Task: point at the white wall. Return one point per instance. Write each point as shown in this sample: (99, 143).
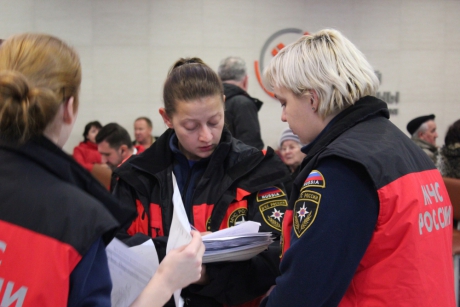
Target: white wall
(127, 47)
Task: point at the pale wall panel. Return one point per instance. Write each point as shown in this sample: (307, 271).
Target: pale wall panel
(422, 24)
(127, 47)
(379, 24)
(176, 24)
(69, 19)
(16, 16)
(118, 22)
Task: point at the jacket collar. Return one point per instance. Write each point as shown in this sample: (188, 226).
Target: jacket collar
(160, 155)
(50, 157)
(232, 90)
(362, 110)
(424, 144)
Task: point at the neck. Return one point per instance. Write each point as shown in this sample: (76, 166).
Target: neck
(293, 167)
(237, 83)
(147, 142)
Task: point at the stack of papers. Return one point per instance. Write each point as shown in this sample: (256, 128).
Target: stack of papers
(238, 243)
(132, 268)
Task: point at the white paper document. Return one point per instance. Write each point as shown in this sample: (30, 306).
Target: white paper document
(237, 243)
(248, 227)
(179, 233)
(130, 272)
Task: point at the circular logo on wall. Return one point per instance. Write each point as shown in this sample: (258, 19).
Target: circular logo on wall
(272, 46)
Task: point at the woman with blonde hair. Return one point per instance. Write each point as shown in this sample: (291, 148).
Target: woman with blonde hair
(368, 222)
(55, 219)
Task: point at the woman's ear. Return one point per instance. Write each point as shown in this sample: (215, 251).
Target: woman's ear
(166, 118)
(69, 112)
(314, 101)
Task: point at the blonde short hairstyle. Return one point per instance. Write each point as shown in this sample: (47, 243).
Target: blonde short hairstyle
(327, 63)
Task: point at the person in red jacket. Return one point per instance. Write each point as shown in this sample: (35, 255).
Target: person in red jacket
(222, 182)
(86, 153)
(55, 220)
(369, 220)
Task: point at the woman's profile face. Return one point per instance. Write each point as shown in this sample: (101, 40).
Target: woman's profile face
(91, 136)
(300, 113)
(198, 125)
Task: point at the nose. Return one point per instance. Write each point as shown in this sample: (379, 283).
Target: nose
(103, 159)
(283, 115)
(205, 135)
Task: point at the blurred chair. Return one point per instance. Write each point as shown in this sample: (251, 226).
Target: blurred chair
(103, 174)
(453, 188)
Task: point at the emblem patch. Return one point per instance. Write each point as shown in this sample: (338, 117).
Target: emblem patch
(273, 212)
(271, 192)
(314, 179)
(305, 211)
(236, 217)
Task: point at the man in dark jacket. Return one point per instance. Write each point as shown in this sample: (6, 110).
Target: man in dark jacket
(240, 108)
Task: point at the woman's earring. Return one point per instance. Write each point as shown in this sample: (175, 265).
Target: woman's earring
(313, 109)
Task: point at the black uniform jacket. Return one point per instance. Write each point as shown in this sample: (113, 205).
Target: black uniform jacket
(51, 213)
(240, 183)
(241, 115)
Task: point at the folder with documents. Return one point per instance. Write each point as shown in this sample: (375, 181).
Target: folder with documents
(238, 243)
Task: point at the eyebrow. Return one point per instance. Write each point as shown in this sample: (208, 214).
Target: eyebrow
(194, 120)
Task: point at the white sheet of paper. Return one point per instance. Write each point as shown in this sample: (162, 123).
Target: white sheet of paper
(129, 271)
(245, 228)
(179, 234)
(148, 251)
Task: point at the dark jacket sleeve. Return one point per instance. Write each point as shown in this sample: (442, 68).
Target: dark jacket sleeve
(244, 121)
(124, 193)
(319, 265)
(90, 283)
(234, 283)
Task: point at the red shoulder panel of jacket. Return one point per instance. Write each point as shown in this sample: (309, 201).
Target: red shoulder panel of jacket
(286, 232)
(156, 221)
(140, 223)
(34, 268)
(240, 194)
(201, 216)
(414, 235)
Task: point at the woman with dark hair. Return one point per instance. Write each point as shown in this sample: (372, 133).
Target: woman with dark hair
(86, 153)
(55, 220)
(222, 181)
(449, 162)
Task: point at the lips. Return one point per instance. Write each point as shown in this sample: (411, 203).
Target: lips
(205, 148)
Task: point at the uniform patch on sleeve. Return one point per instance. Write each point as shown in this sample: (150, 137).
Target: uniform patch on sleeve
(273, 212)
(271, 192)
(314, 179)
(238, 216)
(305, 211)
